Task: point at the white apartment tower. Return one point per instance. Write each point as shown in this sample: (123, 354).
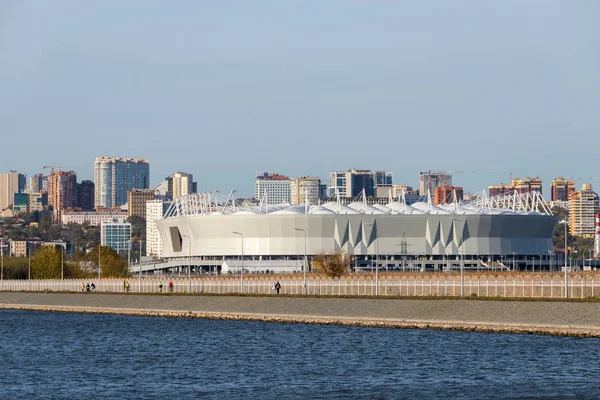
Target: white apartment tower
(155, 209)
(273, 188)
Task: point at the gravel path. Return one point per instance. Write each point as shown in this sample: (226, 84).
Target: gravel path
(552, 318)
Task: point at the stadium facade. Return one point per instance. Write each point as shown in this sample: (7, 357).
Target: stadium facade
(485, 229)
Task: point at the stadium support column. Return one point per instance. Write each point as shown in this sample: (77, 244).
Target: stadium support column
(242, 263)
(304, 291)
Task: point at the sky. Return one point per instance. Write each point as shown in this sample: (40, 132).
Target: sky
(224, 89)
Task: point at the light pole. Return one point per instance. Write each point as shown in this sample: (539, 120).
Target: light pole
(242, 263)
(2, 261)
(189, 263)
(564, 221)
(29, 255)
(462, 259)
(99, 269)
(304, 291)
(374, 225)
(140, 269)
(62, 263)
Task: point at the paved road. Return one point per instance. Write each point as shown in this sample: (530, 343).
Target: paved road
(561, 318)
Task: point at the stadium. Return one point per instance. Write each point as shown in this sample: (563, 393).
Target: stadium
(513, 231)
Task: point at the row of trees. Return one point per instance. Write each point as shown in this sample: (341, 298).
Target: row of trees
(48, 263)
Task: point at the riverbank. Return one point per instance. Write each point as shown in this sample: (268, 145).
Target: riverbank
(540, 317)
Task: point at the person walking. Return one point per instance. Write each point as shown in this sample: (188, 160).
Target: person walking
(170, 287)
(277, 286)
(160, 285)
(87, 287)
(82, 287)
(93, 287)
(127, 286)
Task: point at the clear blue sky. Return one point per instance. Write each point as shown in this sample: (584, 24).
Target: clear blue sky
(223, 89)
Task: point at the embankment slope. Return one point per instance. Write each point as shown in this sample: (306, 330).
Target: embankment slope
(539, 317)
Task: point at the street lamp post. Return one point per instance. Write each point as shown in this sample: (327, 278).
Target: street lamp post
(189, 263)
(2, 261)
(304, 290)
(99, 268)
(242, 263)
(564, 221)
(374, 225)
(29, 255)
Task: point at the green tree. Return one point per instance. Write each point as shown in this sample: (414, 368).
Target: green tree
(16, 267)
(111, 263)
(46, 263)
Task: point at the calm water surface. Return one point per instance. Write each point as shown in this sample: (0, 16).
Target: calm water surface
(56, 356)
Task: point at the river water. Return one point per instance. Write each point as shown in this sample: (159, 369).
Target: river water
(70, 356)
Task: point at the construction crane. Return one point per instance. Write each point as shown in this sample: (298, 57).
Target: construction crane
(52, 166)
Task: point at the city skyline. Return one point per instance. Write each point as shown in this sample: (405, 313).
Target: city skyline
(312, 89)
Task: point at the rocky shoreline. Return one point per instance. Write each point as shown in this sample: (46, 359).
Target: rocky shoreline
(551, 318)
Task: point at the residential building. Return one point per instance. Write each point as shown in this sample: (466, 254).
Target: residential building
(62, 193)
(429, 180)
(393, 190)
(155, 209)
(520, 186)
(114, 177)
(20, 202)
(305, 188)
(85, 195)
(136, 203)
(94, 218)
(22, 248)
(37, 201)
(272, 187)
(29, 202)
(353, 182)
(180, 184)
(561, 189)
(116, 234)
(583, 206)
(497, 190)
(447, 194)
(36, 183)
(527, 185)
(10, 183)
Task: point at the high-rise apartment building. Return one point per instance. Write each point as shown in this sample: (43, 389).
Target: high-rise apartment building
(305, 188)
(527, 185)
(114, 177)
(561, 189)
(429, 180)
(116, 234)
(273, 188)
(521, 186)
(446, 194)
(352, 182)
(180, 184)
(136, 203)
(62, 191)
(85, 195)
(36, 183)
(155, 209)
(10, 183)
(583, 206)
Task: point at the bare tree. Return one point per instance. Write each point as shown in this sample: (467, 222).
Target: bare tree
(334, 264)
